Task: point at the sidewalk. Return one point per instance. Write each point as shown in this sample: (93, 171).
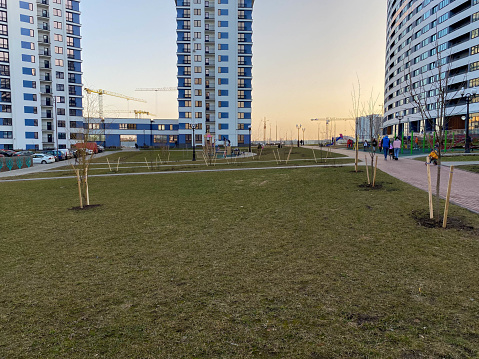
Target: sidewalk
(465, 185)
(46, 167)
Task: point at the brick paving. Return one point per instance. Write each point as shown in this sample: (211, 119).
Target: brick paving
(465, 185)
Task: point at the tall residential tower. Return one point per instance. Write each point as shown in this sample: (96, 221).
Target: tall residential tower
(429, 42)
(215, 44)
(40, 74)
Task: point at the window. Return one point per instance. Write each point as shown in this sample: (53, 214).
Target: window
(4, 56)
(197, 35)
(58, 37)
(197, 23)
(198, 81)
(127, 126)
(58, 50)
(198, 58)
(60, 75)
(197, 12)
(57, 25)
(60, 87)
(5, 83)
(57, 12)
(59, 62)
(198, 69)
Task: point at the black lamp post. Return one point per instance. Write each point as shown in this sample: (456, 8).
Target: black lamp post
(468, 97)
(104, 132)
(193, 127)
(249, 129)
(298, 127)
(151, 133)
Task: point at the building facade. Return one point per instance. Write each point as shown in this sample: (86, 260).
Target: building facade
(431, 43)
(214, 49)
(40, 74)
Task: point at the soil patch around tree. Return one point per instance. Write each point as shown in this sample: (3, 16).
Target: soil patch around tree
(457, 223)
(85, 208)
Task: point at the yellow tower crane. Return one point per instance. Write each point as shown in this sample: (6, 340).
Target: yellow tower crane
(138, 113)
(109, 93)
(156, 90)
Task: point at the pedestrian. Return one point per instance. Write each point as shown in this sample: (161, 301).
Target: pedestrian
(385, 144)
(365, 145)
(381, 145)
(416, 143)
(396, 146)
(374, 144)
(391, 150)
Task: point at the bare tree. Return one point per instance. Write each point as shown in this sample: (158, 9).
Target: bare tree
(434, 98)
(373, 126)
(356, 102)
(84, 155)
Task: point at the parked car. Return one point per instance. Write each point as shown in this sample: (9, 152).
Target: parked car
(8, 153)
(43, 158)
(66, 153)
(25, 153)
(101, 148)
(58, 155)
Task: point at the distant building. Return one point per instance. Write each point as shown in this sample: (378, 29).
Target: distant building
(215, 52)
(417, 30)
(368, 127)
(40, 74)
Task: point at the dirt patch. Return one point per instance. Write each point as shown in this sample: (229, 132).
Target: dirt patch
(369, 187)
(456, 223)
(85, 208)
(359, 171)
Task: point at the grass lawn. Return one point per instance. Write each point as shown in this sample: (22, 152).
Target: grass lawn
(470, 168)
(144, 161)
(457, 158)
(274, 264)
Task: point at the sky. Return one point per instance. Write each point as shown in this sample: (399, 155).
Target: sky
(308, 55)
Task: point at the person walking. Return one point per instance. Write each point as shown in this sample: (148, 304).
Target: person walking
(397, 146)
(374, 143)
(385, 142)
(365, 145)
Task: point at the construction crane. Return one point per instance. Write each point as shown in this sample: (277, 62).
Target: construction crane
(138, 113)
(156, 90)
(109, 93)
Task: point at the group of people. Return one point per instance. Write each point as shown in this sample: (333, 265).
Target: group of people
(390, 147)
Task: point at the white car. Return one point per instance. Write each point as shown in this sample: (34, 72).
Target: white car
(42, 158)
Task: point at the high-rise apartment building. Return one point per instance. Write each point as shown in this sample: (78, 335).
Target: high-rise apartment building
(428, 42)
(40, 74)
(214, 40)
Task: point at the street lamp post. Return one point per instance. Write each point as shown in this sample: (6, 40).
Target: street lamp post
(151, 132)
(304, 129)
(193, 127)
(249, 129)
(298, 127)
(104, 132)
(468, 97)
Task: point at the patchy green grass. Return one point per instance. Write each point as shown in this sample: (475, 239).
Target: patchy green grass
(453, 158)
(149, 160)
(470, 168)
(272, 264)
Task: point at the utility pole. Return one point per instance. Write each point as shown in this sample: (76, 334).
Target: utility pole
(264, 131)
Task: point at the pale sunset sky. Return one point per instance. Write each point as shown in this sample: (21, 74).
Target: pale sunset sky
(307, 56)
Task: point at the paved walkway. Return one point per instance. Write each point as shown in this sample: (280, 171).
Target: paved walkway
(465, 185)
(37, 168)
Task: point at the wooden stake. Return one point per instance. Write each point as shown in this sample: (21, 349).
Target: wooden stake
(431, 208)
(367, 169)
(108, 164)
(448, 197)
(314, 154)
(86, 187)
(79, 187)
(275, 158)
(375, 171)
(289, 154)
(147, 165)
(118, 164)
